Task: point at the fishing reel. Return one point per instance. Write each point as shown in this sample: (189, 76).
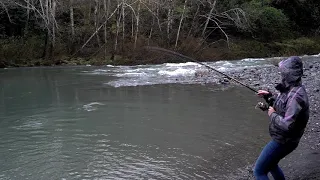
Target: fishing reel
(269, 102)
(262, 106)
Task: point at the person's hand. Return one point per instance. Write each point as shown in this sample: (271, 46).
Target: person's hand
(271, 110)
(263, 93)
(267, 96)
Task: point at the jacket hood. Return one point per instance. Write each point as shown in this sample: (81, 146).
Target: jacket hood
(291, 70)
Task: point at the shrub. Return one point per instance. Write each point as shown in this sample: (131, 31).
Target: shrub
(268, 22)
(300, 46)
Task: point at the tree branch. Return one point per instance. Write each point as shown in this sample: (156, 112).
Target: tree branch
(97, 30)
(6, 9)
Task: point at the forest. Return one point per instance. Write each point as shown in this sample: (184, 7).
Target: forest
(99, 32)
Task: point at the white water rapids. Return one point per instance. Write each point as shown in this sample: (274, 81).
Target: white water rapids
(167, 73)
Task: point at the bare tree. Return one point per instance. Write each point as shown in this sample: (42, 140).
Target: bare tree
(96, 19)
(169, 19)
(209, 15)
(72, 25)
(27, 20)
(106, 13)
(151, 29)
(108, 22)
(98, 29)
(53, 24)
(157, 15)
(137, 24)
(193, 23)
(123, 22)
(181, 19)
(117, 33)
(4, 6)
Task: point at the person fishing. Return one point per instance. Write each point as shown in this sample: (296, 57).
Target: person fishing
(289, 114)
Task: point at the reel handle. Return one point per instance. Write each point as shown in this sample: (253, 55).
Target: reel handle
(262, 106)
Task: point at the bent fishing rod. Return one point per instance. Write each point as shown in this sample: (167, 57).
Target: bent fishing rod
(198, 62)
(268, 98)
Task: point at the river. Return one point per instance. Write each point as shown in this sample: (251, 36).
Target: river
(141, 122)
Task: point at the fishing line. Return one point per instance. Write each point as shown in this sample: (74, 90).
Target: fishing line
(150, 48)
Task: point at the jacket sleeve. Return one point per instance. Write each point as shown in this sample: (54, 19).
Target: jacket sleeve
(293, 108)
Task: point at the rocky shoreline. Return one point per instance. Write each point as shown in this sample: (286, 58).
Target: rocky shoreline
(304, 162)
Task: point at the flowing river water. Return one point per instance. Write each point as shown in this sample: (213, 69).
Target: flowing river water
(141, 122)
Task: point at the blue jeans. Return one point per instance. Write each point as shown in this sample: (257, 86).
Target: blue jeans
(269, 158)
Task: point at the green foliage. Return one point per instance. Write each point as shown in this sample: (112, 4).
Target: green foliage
(226, 5)
(299, 46)
(273, 23)
(179, 10)
(254, 48)
(249, 48)
(305, 15)
(17, 49)
(268, 22)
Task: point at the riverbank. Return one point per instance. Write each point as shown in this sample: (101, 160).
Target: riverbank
(26, 53)
(303, 163)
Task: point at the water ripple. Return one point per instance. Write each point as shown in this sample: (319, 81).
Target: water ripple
(92, 106)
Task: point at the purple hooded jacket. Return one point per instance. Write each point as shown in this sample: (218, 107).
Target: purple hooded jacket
(292, 105)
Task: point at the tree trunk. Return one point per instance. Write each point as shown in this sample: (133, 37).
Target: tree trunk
(212, 5)
(26, 29)
(117, 32)
(94, 34)
(193, 21)
(108, 7)
(53, 24)
(123, 23)
(96, 19)
(115, 47)
(47, 10)
(45, 49)
(158, 18)
(132, 25)
(181, 19)
(137, 24)
(151, 30)
(72, 27)
(105, 7)
(169, 19)
(88, 19)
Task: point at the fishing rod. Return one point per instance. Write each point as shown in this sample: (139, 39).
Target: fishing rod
(268, 97)
(198, 62)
